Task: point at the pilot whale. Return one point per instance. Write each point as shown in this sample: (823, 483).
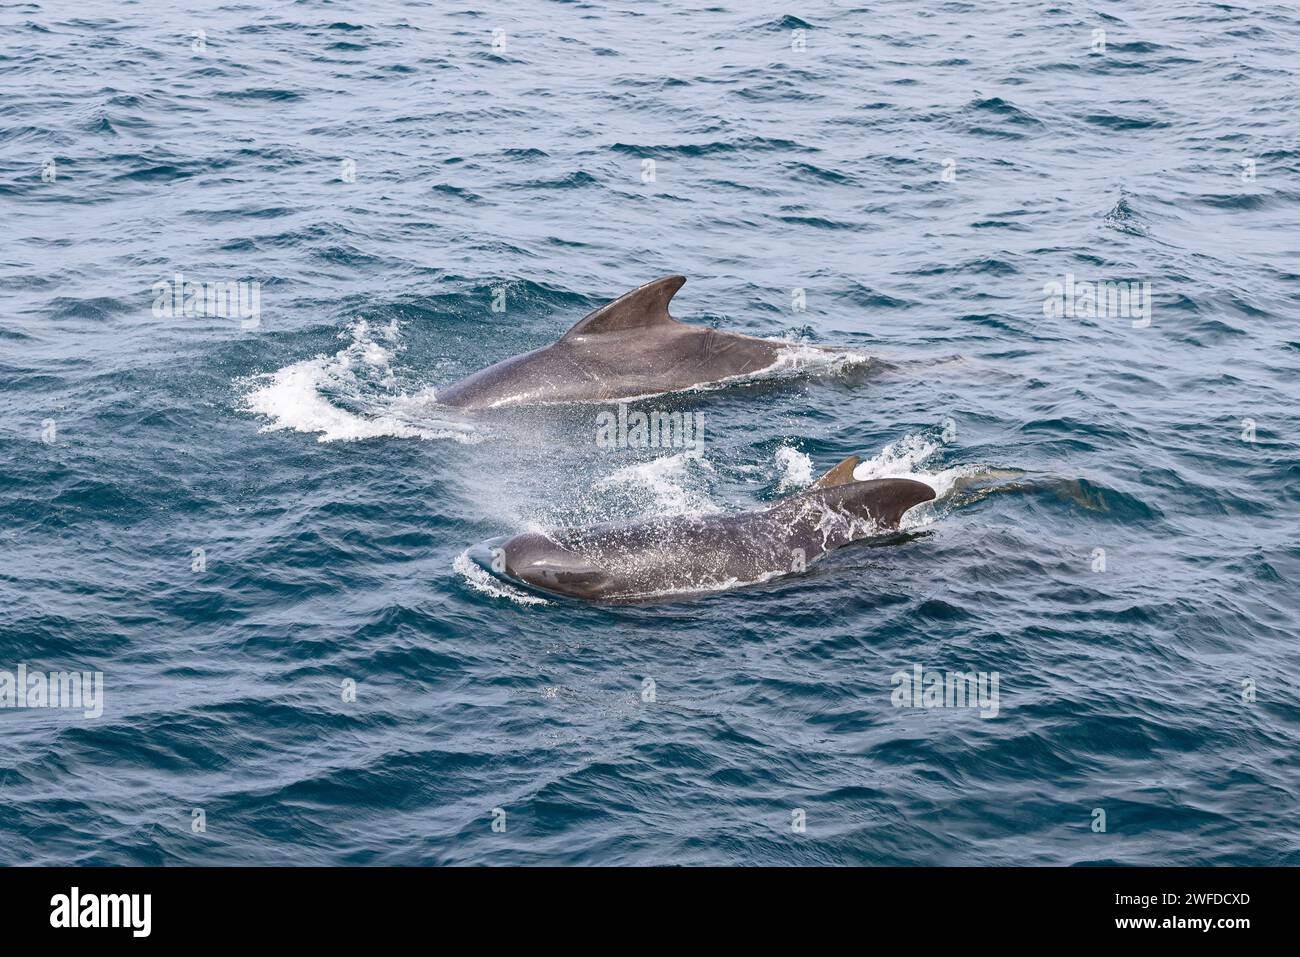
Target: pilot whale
(661, 558)
(627, 348)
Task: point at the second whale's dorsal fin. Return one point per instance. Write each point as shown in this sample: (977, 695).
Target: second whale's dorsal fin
(644, 306)
(842, 474)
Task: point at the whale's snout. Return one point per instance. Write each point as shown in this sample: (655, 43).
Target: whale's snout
(538, 561)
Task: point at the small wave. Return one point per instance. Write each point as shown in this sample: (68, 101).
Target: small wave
(1008, 120)
(574, 180)
(1113, 121)
(787, 22)
(260, 94)
(745, 144)
(1123, 218)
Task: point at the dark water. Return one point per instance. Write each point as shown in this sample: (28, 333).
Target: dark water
(341, 514)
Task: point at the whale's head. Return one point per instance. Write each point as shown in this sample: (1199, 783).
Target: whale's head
(543, 563)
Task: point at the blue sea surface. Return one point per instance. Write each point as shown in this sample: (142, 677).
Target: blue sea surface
(271, 540)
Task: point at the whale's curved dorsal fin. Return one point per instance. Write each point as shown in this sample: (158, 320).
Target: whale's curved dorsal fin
(842, 474)
(644, 306)
(885, 500)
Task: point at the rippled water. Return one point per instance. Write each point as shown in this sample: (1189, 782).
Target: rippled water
(922, 171)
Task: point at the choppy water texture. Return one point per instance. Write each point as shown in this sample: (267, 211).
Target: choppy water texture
(342, 514)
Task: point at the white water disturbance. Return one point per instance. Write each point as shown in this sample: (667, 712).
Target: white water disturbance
(350, 395)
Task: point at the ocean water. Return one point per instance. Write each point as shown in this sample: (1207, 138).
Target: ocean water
(269, 539)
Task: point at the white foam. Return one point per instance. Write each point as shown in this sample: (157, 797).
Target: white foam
(311, 395)
(800, 358)
(796, 468)
(795, 359)
(479, 579)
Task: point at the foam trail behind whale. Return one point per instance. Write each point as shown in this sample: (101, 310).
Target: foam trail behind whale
(350, 395)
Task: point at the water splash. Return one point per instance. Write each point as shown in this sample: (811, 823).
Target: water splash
(482, 581)
(672, 483)
(351, 395)
(796, 469)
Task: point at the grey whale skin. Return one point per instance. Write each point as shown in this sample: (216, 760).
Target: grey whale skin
(663, 558)
(627, 348)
